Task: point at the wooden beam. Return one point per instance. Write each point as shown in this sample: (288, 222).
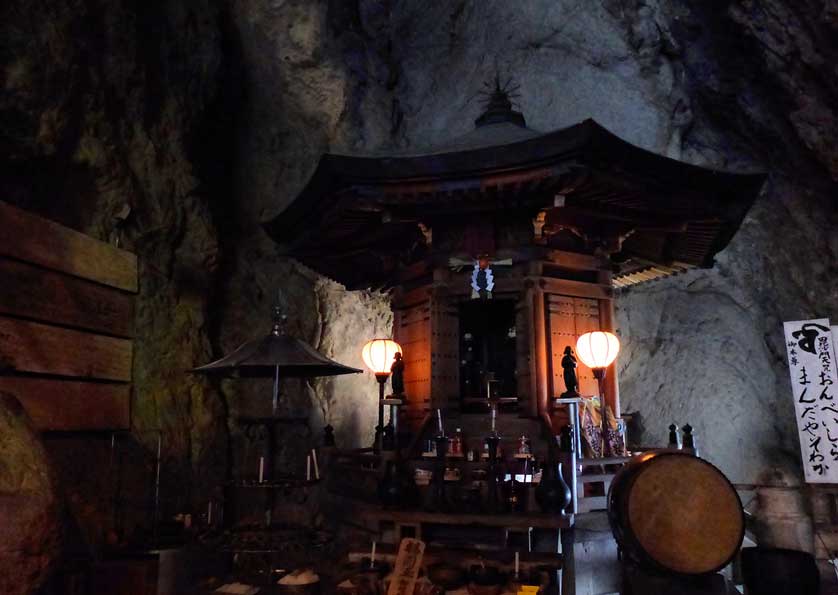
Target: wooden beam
(43, 349)
(412, 272)
(632, 279)
(52, 297)
(34, 239)
(577, 261)
(612, 381)
(65, 405)
(578, 288)
(411, 298)
(646, 275)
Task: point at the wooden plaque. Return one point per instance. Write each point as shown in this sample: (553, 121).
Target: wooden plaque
(66, 405)
(59, 248)
(66, 323)
(56, 298)
(408, 563)
(43, 349)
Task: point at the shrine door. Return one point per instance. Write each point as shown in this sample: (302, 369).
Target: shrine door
(568, 318)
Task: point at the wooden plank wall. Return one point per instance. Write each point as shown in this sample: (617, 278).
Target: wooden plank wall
(66, 324)
(412, 330)
(445, 351)
(568, 318)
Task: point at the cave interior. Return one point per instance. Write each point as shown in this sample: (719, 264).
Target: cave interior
(418, 297)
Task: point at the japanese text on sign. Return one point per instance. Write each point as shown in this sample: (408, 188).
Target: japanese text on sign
(814, 382)
(408, 562)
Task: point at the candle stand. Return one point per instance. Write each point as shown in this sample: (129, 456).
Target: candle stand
(440, 501)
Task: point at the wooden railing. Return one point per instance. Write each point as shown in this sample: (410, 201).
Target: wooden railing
(576, 464)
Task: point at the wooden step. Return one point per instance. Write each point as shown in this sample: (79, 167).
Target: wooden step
(535, 520)
(464, 558)
(604, 461)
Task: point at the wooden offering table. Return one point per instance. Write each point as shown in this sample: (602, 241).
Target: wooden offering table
(436, 527)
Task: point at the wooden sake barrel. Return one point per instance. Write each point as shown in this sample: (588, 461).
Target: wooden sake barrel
(676, 513)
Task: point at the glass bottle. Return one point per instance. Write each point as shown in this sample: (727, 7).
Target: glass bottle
(457, 443)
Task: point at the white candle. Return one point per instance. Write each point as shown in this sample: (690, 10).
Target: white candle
(516, 563)
(372, 555)
(439, 420)
(261, 469)
(308, 467)
(494, 414)
(316, 469)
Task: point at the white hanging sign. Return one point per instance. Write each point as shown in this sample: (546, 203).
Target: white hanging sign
(814, 382)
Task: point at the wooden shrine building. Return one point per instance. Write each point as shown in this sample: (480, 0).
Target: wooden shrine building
(546, 225)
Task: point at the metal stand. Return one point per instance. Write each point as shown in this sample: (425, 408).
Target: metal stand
(599, 374)
(393, 425)
(441, 503)
(492, 500)
(378, 446)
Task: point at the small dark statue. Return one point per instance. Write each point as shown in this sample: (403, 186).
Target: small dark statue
(329, 435)
(397, 374)
(571, 382)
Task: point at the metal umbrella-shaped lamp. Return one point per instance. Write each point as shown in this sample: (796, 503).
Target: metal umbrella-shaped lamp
(275, 355)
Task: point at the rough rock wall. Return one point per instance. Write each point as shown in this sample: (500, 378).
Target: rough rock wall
(710, 349)
(314, 81)
(205, 117)
(105, 117)
(572, 60)
(174, 128)
(750, 87)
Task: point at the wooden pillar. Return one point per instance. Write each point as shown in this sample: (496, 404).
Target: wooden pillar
(612, 384)
(540, 402)
(524, 366)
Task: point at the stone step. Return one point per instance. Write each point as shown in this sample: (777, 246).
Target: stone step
(592, 503)
(592, 526)
(596, 567)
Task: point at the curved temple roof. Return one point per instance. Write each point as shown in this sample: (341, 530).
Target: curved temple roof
(357, 219)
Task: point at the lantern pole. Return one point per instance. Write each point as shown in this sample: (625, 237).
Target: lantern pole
(277, 330)
(376, 355)
(379, 429)
(599, 374)
(276, 390)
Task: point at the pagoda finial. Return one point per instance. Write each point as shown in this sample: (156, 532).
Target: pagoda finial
(498, 103)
